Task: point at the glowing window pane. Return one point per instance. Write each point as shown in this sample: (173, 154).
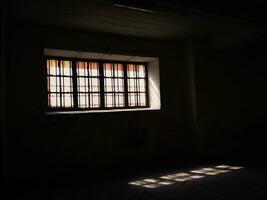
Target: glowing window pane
(108, 70)
(82, 69)
(54, 100)
(65, 68)
(94, 100)
(67, 100)
(108, 82)
(93, 69)
(52, 67)
(141, 71)
(118, 69)
(131, 70)
(82, 84)
(94, 84)
(53, 84)
(119, 100)
(119, 85)
(67, 84)
(142, 85)
(83, 100)
(132, 85)
(132, 99)
(142, 99)
(109, 100)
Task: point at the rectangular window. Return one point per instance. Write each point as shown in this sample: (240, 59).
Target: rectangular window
(79, 84)
(88, 84)
(114, 85)
(136, 77)
(59, 84)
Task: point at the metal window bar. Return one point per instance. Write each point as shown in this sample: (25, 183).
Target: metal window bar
(89, 84)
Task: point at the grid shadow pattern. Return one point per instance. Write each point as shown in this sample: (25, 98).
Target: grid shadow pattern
(174, 178)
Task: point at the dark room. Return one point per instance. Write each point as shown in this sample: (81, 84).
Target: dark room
(133, 99)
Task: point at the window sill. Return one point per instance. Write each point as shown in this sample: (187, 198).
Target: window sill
(98, 111)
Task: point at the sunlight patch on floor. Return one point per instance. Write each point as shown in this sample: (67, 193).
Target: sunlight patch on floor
(170, 179)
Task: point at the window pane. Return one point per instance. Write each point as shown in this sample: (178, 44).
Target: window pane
(60, 100)
(119, 99)
(67, 100)
(131, 71)
(118, 69)
(83, 100)
(108, 82)
(82, 84)
(53, 100)
(132, 85)
(119, 85)
(108, 70)
(87, 68)
(109, 100)
(132, 99)
(52, 67)
(82, 68)
(141, 71)
(67, 84)
(114, 100)
(93, 69)
(142, 99)
(94, 84)
(142, 85)
(59, 84)
(65, 68)
(95, 100)
(53, 84)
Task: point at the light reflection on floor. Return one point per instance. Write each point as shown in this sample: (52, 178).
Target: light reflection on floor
(170, 179)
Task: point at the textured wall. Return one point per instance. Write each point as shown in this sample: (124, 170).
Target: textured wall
(46, 144)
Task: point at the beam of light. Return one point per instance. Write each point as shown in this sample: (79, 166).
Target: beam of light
(174, 178)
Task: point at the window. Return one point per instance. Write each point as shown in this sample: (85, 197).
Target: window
(83, 84)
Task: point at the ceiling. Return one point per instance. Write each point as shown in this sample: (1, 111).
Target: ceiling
(169, 20)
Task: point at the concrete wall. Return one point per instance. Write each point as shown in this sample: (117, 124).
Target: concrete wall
(231, 99)
(45, 145)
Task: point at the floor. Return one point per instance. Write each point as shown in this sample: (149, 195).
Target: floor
(243, 183)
